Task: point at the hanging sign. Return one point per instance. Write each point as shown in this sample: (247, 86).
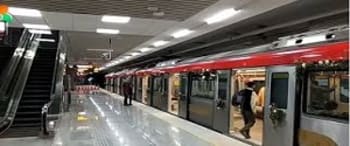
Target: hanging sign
(5, 16)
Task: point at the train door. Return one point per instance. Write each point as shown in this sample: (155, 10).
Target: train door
(134, 87)
(117, 85)
(222, 102)
(139, 89)
(149, 90)
(279, 117)
(184, 90)
(121, 81)
(173, 94)
(160, 92)
(165, 92)
(201, 100)
(145, 89)
(112, 84)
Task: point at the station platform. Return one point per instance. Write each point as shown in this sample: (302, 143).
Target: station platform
(100, 119)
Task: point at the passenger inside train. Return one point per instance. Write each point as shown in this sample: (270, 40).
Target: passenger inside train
(239, 80)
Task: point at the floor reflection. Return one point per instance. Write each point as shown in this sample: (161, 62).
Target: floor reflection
(99, 120)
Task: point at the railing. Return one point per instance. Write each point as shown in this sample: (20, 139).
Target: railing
(15, 79)
(50, 113)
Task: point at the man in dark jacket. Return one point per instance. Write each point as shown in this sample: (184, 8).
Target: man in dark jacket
(248, 108)
(127, 91)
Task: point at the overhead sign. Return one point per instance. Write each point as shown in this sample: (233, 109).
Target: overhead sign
(5, 16)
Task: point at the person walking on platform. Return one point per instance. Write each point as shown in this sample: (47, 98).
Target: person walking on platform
(127, 91)
(248, 108)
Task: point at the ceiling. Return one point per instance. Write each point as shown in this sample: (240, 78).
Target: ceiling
(91, 49)
(80, 18)
(178, 10)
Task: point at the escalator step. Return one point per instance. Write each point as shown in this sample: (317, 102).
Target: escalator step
(26, 125)
(27, 120)
(35, 96)
(32, 108)
(30, 101)
(27, 113)
(26, 131)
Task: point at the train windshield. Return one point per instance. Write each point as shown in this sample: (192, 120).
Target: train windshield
(328, 94)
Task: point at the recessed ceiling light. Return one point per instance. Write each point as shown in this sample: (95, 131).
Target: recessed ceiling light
(221, 16)
(24, 12)
(160, 43)
(38, 31)
(45, 40)
(107, 31)
(115, 19)
(135, 53)
(182, 33)
(36, 26)
(158, 14)
(146, 49)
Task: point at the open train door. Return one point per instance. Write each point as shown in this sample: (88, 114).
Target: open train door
(183, 101)
(279, 114)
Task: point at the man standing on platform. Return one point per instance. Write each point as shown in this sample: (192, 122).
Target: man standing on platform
(127, 91)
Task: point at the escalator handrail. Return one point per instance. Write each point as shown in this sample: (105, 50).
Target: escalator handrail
(57, 84)
(12, 65)
(19, 81)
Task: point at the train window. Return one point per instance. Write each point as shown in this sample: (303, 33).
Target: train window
(328, 94)
(157, 84)
(344, 90)
(203, 86)
(279, 89)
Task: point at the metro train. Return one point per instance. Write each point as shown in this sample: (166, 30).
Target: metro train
(302, 83)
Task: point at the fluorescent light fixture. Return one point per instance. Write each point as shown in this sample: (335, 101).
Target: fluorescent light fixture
(182, 33)
(314, 39)
(221, 16)
(84, 66)
(38, 31)
(100, 50)
(24, 12)
(146, 49)
(311, 55)
(127, 57)
(107, 31)
(45, 40)
(135, 53)
(160, 43)
(115, 19)
(36, 26)
(292, 52)
(2, 27)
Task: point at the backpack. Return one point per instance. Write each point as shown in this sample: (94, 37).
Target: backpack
(237, 98)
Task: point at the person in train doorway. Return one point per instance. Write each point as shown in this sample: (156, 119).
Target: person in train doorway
(248, 108)
(127, 91)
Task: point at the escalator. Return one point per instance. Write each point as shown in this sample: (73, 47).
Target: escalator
(36, 93)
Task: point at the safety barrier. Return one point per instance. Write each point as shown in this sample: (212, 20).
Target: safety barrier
(87, 89)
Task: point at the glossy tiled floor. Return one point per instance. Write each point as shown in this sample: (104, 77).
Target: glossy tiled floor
(102, 120)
